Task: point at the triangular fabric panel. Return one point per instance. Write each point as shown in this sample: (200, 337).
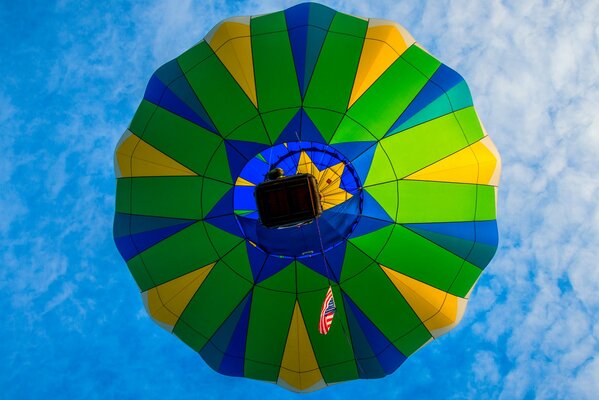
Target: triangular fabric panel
(272, 265)
(292, 131)
(383, 44)
(299, 368)
(231, 42)
(166, 302)
(474, 164)
(225, 351)
(475, 241)
(170, 89)
(135, 158)
(438, 310)
(388, 356)
(133, 245)
(334, 262)
(307, 24)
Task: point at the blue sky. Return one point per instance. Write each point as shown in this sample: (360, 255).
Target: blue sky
(73, 324)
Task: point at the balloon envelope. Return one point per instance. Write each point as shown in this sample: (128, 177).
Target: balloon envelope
(406, 174)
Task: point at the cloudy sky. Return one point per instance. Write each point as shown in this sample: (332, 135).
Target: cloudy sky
(73, 324)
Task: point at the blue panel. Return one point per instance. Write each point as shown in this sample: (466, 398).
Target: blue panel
(371, 208)
(291, 131)
(233, 360)
(227, 223)
(387, 354)
(257, 258)
(363, 162)
(352, 150)
(309, 132)
(215, 348)
(446, 77)
(184, 92)
(223, 207)
(429, 93)
(172, 103)
(272, 265)
(145, 240)
(126, 247)
(154, 90)
(486, 232)
(367, 363)
(235, 159)
(306, 41)
(244, 198)
(368, 225)
(168, 72)
(334, 260)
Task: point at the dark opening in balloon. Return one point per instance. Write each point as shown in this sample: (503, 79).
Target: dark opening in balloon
(288, 201)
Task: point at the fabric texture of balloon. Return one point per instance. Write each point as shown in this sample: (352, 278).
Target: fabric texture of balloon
(406, 173)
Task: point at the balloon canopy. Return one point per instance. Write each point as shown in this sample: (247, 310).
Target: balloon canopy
(405, 173)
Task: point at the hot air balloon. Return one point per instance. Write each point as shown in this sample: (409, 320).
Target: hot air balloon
(306, 197)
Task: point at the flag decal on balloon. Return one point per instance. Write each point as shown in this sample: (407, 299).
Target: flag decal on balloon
(327, 313)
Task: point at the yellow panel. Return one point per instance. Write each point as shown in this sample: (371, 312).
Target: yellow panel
(329, 181)
(242, 182)
(231, 42)
(382, 46)
(476, 163)
(435, 308)
(166, 302)
(299, 368)
(146, 160)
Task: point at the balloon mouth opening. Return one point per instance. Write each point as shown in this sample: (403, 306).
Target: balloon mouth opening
(287, 201)
(313, 209)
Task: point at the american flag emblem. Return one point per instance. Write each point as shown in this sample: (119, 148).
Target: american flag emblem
(327, 313)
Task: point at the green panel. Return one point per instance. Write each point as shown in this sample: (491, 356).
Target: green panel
(381, 170)
(388, 310)
(237, 260)
(226, 103)
(123, 195)
(212, 192)
(251, 131)
(325, 120)
(308, 280)
(423, 145)
(386, 195)
(142, 116)
(274, 71)
(182, 140)
(276, 121)
(166, 196)
(218, 168)
(421, 60)
(380, 106)
(485, 203)
(140, 274)
(465, 280)
(355, 261)
(217, 297)
(270, 318)
(372, 243)
(190, 336)
(194, 56)
(421, 259)
(470, 124)
(333, 77)
(268, 23)
(413, 340)
(349, 25)
(282, 281)
(350, 131)
(177, 255)
(222, 241)
(439, 107)
(334, 348)
(422, 201)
